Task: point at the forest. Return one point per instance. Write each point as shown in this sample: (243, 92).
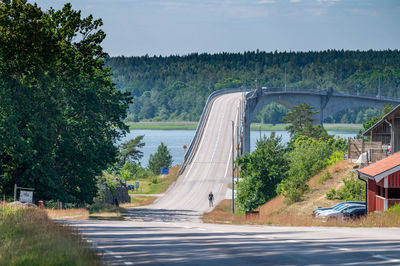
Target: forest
(175, 88)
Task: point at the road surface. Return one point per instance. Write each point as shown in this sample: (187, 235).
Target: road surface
(211, 167)
(167, 237)
(170, 232)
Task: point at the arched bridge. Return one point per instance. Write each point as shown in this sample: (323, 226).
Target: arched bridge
(326, 102)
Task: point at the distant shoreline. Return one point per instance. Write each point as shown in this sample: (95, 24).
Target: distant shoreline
(190, 125)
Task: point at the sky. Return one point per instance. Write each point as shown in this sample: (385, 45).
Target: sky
(180, 27)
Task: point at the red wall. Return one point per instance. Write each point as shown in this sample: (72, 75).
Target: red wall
(394, 180)
(371, 195)
(379, 204)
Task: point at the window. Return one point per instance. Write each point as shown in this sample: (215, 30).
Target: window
(393, 193)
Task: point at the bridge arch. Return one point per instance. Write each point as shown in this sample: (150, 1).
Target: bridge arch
(326, 103)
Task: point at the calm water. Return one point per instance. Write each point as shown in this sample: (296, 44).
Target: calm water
(175, 139)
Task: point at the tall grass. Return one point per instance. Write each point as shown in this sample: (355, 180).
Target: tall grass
(222, 214)
(29, 237)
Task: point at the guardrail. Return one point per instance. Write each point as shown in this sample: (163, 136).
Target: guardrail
(188, 157)
(335, 92)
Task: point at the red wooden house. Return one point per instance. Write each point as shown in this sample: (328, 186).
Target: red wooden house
(383, 182)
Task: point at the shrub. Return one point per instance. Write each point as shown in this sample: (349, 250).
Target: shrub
(155, 181)
(352, 190)
(324, 177)
(308, 157)
(331, 194)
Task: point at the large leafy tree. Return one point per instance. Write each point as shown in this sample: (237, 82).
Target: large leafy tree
(261, 172)
(162, 158)
(59, 111)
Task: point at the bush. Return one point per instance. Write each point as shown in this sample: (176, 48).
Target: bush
(331, 194)
(308, 157)
(353, 190)
(324, 177)
(155, 181)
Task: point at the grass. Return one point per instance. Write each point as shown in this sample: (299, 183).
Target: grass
(164, 125)
(222, 214)
(147, 186)
(254, 126)
(29, 237)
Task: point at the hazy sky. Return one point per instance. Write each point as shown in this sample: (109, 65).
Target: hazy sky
(157, 27)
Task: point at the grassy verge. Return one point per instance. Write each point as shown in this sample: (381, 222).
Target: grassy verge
(29, 237)
(94, 211)
(222, 214)
(164, 125)
(157, 184)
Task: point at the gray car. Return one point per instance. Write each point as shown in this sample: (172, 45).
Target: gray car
(338, 211)
(319, 209)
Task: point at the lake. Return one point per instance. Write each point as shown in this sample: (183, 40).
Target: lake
(175, 139)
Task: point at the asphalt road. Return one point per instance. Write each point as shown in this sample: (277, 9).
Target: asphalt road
(167, 237)
(211, 167)
(170, 232)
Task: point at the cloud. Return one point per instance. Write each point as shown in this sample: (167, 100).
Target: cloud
(295, 1)
(328, 2)
(263, 2)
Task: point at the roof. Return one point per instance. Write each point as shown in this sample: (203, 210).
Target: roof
(366, 133)
(382, 168)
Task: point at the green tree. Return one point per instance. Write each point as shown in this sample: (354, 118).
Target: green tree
(59, 111)
(162, 158)
(299, 118)
(307, 158)
(261, 171)
(130, 149)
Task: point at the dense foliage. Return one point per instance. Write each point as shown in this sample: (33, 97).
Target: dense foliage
(261, 172)
(176, 87)
(60, 113)
(308, 157)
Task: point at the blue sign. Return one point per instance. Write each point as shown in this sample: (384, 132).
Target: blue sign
(164, 171)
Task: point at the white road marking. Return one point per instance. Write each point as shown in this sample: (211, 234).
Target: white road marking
(128, 263)
(386, 258)
(118, 257)
(339, 248)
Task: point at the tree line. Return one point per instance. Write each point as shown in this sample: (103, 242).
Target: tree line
(176, 87)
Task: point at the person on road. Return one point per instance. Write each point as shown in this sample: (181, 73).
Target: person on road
(211, 199)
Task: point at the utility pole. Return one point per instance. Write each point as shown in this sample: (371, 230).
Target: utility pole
(285, 77)
(233, 167)
(15, 192)
(379, 86)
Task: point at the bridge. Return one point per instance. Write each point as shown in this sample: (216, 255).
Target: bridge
(326, 102)
(223, 134)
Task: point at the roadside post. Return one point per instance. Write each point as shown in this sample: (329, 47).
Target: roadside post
(233, 167)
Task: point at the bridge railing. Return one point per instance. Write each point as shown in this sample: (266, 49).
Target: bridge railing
(336, 92)
(188, 157)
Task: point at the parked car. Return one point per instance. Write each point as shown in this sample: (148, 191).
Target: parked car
(338, 211)
(355, 213)
(319, 209)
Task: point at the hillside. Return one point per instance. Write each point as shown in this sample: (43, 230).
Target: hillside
(175, 88)
(316, 197)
